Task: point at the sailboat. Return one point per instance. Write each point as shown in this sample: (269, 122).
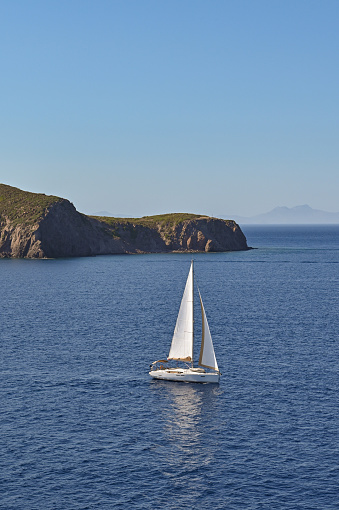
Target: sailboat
(182, 345)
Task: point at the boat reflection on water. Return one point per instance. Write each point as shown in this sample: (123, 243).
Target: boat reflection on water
(188, 417)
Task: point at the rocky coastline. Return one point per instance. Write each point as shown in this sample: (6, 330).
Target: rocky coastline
(38, 226)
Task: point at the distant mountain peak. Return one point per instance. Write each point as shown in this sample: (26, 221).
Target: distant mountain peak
(304, 207)
(300, 214)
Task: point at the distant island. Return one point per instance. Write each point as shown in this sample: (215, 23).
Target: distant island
(299, 215)
(35, 225)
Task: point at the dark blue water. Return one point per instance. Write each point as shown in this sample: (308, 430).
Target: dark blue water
(84, 427)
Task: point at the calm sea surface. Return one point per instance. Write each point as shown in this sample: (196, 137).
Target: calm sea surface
(83, 426)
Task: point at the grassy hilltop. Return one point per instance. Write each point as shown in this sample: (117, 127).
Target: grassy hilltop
(163, 220)
(22, 207)
(26, 207)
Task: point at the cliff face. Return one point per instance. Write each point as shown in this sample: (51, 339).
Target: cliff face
(198, 234)
(56, 229)
(208, 234)
(60, 232)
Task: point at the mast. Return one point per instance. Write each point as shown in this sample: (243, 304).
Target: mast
(192, 314)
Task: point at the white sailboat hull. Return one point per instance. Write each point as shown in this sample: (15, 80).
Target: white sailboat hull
(185, 375)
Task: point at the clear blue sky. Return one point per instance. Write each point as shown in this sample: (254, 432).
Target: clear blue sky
(150, 106)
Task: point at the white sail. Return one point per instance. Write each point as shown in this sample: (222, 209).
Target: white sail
(182, 341)
(207, 356)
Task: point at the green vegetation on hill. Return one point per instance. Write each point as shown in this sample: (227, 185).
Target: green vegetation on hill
(163, 220)
(22, 206)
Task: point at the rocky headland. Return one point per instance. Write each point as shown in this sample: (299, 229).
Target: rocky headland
(34, 225)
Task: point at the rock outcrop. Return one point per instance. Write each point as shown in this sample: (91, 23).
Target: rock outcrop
(37, 226)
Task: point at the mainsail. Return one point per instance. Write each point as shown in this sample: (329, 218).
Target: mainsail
(182, 341)
(207, 356)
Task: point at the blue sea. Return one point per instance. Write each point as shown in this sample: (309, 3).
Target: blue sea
(83, 426)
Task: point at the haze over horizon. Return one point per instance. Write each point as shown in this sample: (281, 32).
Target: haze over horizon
(148, 107)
